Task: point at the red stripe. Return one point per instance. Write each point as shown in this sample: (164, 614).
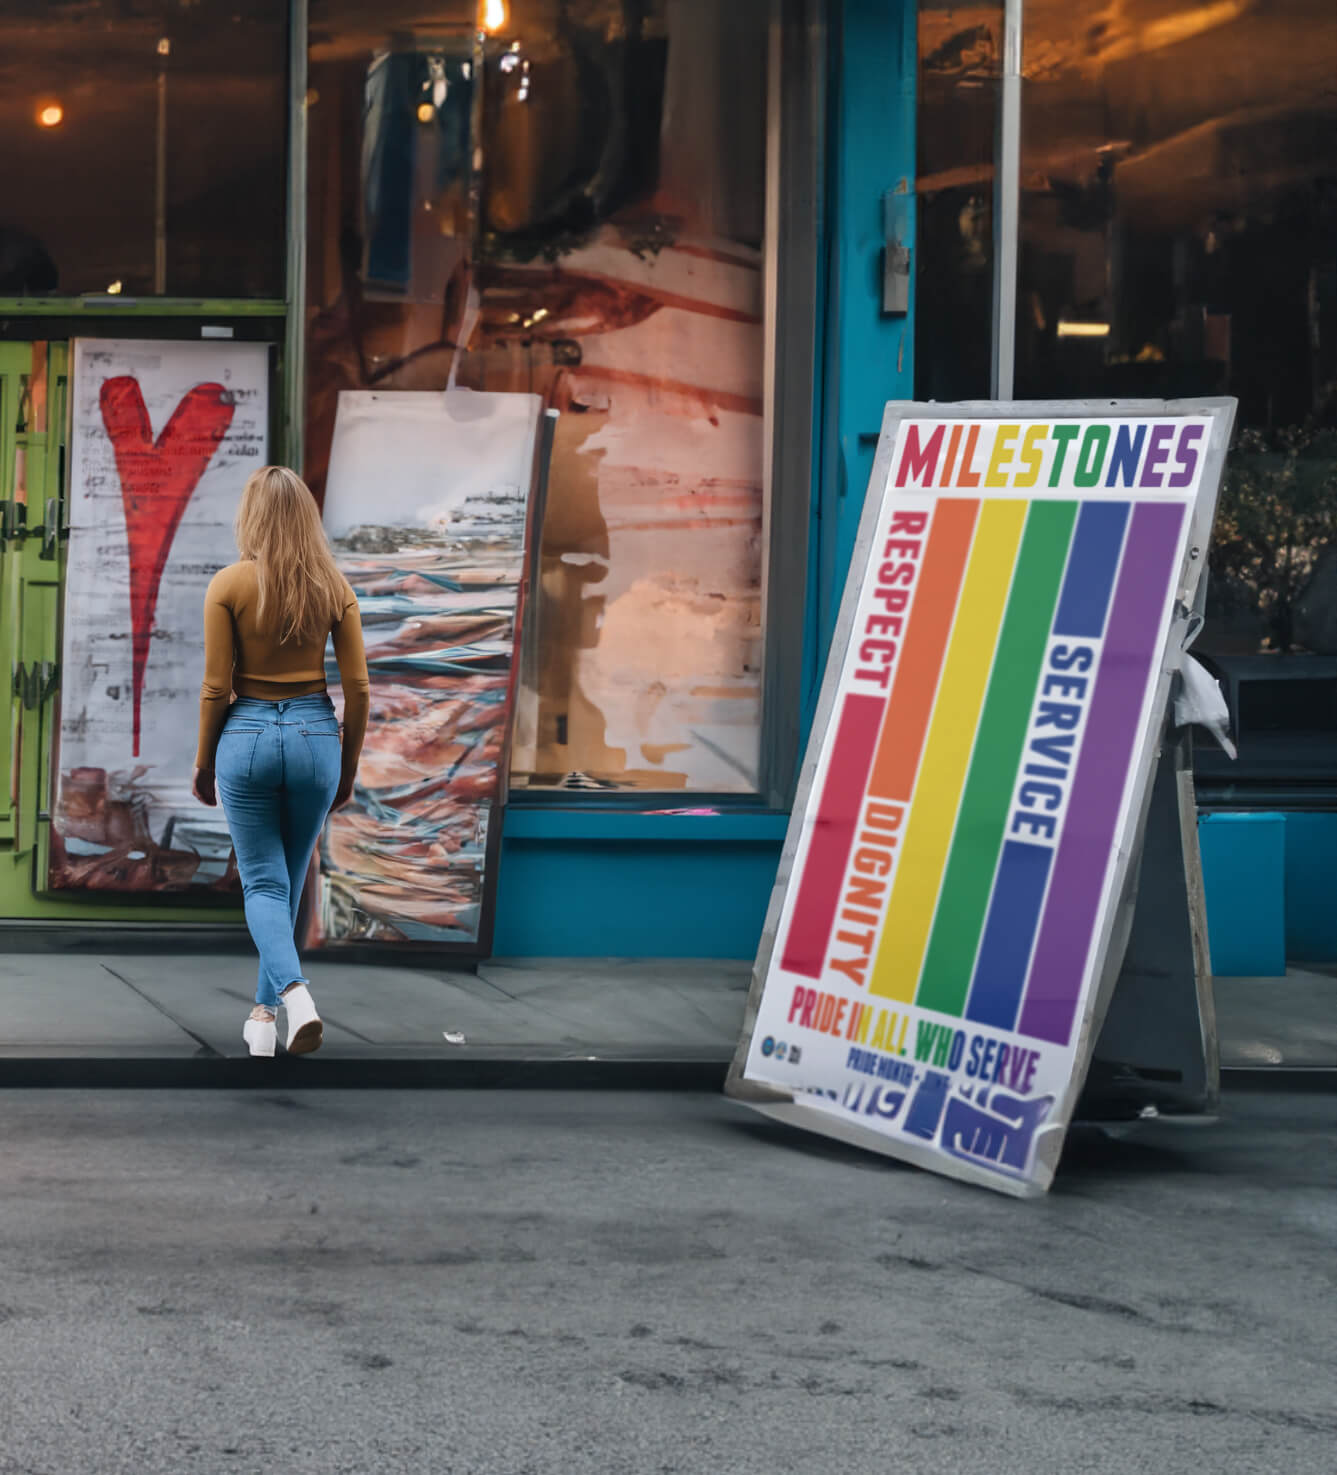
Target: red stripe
(814, 913)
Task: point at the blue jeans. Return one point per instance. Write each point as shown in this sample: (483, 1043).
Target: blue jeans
(277, 770)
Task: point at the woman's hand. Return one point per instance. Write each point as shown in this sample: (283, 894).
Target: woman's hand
(343, 794)
(204, 788)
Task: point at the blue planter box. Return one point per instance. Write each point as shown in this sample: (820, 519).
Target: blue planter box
(1244, 877)
(1311, 875)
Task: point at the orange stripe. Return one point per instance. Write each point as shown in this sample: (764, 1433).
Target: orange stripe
(930, 624)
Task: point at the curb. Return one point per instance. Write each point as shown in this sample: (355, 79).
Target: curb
(1297, 1078)
(460, 1073)
(478, 1074)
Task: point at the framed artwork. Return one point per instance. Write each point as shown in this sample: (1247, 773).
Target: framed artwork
(430, 505)
(162, 438)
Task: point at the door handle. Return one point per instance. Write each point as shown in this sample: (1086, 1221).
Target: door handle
(51, 528)
(897, 233)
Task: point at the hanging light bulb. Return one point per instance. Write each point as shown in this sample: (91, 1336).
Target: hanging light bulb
(494, 15)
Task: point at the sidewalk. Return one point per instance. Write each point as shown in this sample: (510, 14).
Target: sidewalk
(143, 1017)
(131, 1017)
(1287, 1024)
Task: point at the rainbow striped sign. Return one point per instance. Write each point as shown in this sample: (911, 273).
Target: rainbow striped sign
(973, 795)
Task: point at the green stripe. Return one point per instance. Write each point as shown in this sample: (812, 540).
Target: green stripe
(1000, 738)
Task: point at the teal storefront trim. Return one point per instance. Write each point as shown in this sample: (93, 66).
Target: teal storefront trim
(579, 884)
(870, 356)
(618, 883)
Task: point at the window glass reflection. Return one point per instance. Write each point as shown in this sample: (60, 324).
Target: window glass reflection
(573, 209)
(163, 123)
(1179, 237)
(958, 101)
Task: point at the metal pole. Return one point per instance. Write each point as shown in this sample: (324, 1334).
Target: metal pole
(771, 595)
(477, 119)
(1007, 206)
(294, 338)
(160, 177)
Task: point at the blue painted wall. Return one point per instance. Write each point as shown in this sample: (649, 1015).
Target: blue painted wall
(603, 883)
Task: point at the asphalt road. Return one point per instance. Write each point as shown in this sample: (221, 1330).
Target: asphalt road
(513, 1282)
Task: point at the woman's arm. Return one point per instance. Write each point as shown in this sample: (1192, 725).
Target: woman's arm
(352, 658)
(219, 656)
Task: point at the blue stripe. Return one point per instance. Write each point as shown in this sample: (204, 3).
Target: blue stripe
(1092, 564)
(1009, 934)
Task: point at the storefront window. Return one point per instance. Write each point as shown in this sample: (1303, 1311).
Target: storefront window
(1179, 237)
(575, 208)
(166, 125)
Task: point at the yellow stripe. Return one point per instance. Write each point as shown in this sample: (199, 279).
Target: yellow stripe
(942, 774)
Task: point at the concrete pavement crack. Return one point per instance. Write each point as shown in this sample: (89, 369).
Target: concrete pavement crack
(166, 1013)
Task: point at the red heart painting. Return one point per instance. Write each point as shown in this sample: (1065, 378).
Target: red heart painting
(158, 479)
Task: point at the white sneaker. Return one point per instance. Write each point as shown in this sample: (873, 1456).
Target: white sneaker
(305, 1030)
(260, 1036)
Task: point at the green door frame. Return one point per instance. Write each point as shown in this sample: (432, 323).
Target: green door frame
(32, 566)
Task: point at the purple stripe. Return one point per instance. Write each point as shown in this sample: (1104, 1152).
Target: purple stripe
(1132, 648)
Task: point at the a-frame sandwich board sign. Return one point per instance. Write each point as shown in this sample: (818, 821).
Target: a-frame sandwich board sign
(936, 959)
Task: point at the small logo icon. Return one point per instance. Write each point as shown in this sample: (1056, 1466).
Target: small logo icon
(768, 1046)
(780, 1051)
(794, 1055)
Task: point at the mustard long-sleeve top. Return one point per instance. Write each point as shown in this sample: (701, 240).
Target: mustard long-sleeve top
(244, 655)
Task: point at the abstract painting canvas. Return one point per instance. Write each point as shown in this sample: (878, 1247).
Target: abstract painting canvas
(429, 506)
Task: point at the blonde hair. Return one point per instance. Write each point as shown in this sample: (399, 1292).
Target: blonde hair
(278, 526)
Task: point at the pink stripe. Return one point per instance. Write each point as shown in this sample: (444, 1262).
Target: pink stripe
(814, 913)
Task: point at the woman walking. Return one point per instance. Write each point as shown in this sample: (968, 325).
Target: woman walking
(274, 756)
